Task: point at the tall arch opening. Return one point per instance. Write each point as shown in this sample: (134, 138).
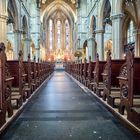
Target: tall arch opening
(58, 23)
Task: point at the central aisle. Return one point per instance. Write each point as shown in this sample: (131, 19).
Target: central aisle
(62, 111)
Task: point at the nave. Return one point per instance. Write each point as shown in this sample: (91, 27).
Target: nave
(63, 111)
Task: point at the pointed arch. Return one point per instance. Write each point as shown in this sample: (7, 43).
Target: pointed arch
(58, 5)
(13, 14)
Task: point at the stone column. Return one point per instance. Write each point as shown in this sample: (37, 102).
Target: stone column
(3, 21)
(64, 42)
(38, 34)
(100, 43)
(70, 36)
(27, 43)
(117, 36)
(48, 36)
(46, 40)
(17, 47)
(62, 35)
(56, 43)
(137, 42)
(53, 35)
(91, 48)
(37, 53)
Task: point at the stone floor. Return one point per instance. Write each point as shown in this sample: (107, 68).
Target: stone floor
(62, 111)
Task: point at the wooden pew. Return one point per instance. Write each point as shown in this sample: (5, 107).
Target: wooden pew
(39, 80)
(81, 67)
(5, 87)
(34, 73)
(38, 74)
(98, 79)
(111, 89)
(90, 76)
(129, 80)
(28, 87)
(17, 71)
(74, 70)
(78, 70)
(2, 85)
(85, 74)
(41, 71)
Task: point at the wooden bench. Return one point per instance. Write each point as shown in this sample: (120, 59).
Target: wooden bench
(111, 89)
(38, 74)
(85, 74)
(17, 71)
(98, 79)
(5, 88)
(81, 71)
(90, 75)
(129, 80)
(34, 73)
(28, 87)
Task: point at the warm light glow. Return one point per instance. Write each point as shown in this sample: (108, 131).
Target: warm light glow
(124, 55)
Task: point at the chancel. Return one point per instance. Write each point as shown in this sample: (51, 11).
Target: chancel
(70, 69)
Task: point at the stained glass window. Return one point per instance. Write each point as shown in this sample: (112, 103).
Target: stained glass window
(50, 32)
(67, 34)
(130, 36)
(58, 33)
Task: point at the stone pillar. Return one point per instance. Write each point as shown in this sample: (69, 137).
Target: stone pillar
(64, 43)
(62, 35)
(137, 42)
(46, 40)
(100, 43)
(53, 35)
(91, 48)
(38, 35)
(17, 47)
(27, 43)
(70, 37)
(117, 36)
(48, 36)
(3, 21)
(56, 43)
(37, 53)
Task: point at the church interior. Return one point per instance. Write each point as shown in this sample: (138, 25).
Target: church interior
(69, 69)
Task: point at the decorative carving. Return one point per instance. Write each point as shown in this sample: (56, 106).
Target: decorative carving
(123, 72)
(105, 80)
(7, 92)
(124, 91)
(118, 16)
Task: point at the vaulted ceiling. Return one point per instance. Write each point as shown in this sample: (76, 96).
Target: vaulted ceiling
(49, 7)
(71, 3)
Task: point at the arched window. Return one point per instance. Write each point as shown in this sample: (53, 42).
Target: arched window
(67, 34)
(130, 36)
(58, 33)
(108, 32)
(51, 34)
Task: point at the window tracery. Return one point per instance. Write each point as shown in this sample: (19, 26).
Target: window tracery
(51, 34)
(67, 34)
(130, 35)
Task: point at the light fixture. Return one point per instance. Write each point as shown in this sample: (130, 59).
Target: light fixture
(73, 1)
